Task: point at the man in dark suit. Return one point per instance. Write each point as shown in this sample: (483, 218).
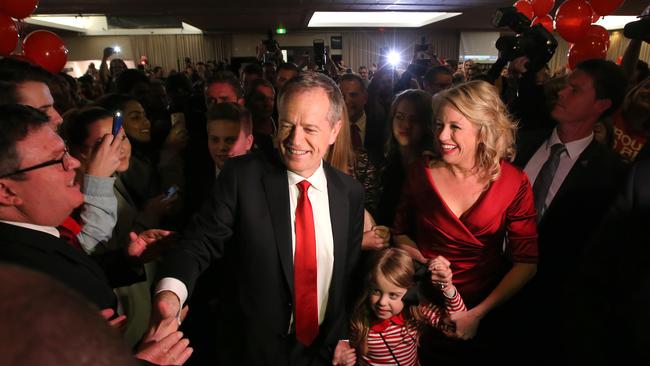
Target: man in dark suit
(37, 192)
(574, 182)
(292, 268)
(368, 132)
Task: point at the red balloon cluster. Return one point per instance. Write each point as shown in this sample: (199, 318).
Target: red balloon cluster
(537, 10)
(46, 49)
(40, 47)
(573, 21)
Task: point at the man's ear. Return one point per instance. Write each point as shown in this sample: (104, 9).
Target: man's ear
(8, 196)
(249, 142)
(335, 131)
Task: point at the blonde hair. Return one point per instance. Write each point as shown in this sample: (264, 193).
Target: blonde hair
(396, 266)
(479, 102)
(341, 154)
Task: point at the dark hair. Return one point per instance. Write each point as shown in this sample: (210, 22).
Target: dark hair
(231, 112)
(353, 77)
(423, 109)
(128, 79)
(14, 72)
(609, 81)
(74, 129)
(252, 88)
(288, 66)
(226, 77)
(114, 102)
(253, 69)
(16, 121)
(432, 72)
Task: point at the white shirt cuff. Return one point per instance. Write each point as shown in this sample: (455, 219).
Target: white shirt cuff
(177, 287)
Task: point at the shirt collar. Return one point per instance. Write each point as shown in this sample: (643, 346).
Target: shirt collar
(573, 148)
(317, 180)
(45, 229)
(361, 122)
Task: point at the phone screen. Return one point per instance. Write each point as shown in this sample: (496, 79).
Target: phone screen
(117, 122)
(170, 192)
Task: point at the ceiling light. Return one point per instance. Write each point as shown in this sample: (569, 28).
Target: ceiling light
(611, 22)
(376, 19)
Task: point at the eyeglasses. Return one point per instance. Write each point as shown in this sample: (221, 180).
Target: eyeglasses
(64, 161)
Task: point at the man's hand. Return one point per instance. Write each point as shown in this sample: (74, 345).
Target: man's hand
(376, 238)
(105, 157)
(171, 350)
(147, 245)
(108, 52)
(466, 323)
(164, 321)
(344, 354)
(118, 323)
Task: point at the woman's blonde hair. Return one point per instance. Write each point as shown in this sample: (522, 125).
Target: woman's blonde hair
(396, 266)
(341, 154)
(479, 102)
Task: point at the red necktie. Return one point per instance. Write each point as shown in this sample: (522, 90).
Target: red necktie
(305, 272)
(355, 131)
(69, 230)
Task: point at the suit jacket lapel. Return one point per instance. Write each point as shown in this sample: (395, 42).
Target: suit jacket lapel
(276, 188)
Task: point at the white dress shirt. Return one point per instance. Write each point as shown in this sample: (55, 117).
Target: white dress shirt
(324, 238)
(567, 159)
(361, 123)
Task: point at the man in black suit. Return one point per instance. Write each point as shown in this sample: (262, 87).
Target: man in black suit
(574, 182)
(371, 131)
(255, 220)
(37, 192)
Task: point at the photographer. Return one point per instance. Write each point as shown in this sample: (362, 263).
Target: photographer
(525, 55)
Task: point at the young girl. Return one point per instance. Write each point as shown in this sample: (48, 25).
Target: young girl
(385, 330)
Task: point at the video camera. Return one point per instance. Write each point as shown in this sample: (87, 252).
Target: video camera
(537, 43)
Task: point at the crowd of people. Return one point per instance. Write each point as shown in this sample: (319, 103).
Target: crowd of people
(276, 215)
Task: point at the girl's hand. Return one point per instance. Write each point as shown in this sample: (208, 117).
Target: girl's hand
(467, 323)
(376, 238)
(105, 157)
(441, 274)
(344, 354)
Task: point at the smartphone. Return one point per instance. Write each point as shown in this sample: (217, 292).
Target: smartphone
(170, 192)
(117, 122)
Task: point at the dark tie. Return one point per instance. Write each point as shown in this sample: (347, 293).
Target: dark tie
(355, 133)
(305, 272)
(69, 230)
(545, 177)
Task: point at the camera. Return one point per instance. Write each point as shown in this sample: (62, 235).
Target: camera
(271, 44)
(639, 29)
(537, 43)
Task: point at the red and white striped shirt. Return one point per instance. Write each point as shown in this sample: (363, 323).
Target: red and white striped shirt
(403, 339)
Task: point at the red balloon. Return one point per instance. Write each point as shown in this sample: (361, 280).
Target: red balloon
(595, 17)
(585, 51)
(598, 33)
(572, 19)
(18, 9)
(46, 49)
(605, 7)
(542, 7)
(8, 35)
(525, 7)
(546, 21)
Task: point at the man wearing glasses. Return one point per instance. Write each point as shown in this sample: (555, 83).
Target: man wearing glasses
(37, 192)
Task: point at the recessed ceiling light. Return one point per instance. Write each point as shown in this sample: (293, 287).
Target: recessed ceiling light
(376, 19)
(611, 22)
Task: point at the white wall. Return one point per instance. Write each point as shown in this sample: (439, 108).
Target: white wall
(92, 47)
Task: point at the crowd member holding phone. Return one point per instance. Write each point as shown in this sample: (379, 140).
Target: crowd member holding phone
(87, 132)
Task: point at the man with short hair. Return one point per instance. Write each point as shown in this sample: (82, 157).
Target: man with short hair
(230, 133)
(366, 131)
(23, 83)
(223, 87)
(250, 73)
(286, 71)
(293, 229)
(436, 79)
(574, 182)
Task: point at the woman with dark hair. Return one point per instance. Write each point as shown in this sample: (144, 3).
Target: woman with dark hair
(410, 136)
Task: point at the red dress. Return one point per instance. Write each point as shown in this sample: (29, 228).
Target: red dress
(473, 242)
